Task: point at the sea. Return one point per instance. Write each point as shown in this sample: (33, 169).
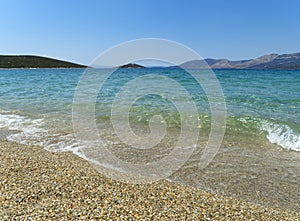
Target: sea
(258, 157)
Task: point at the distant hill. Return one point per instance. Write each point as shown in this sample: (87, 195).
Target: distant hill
(131, 65)
(270, 61)
(29, 61)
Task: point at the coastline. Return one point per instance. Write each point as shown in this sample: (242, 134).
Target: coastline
(37, 184)
(43, 68)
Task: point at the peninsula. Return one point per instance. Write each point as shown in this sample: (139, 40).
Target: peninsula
(31, 61)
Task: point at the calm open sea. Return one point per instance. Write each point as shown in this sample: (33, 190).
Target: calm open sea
(259, 159)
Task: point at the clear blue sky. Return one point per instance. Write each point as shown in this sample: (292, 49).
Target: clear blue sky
(80, 30)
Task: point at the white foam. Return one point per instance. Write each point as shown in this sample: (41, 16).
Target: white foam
(33, 132)
(282, 135)
(20, 123)
(26, 130)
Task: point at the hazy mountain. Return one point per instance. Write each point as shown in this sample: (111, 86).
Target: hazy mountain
(270, 61)
(29, 61)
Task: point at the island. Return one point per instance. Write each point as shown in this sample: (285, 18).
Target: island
(131, 65)
(32, 61)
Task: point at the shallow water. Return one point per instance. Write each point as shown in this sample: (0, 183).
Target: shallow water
(259, 159)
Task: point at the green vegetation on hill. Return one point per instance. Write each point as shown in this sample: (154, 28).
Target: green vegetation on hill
(28, 61)
(131, 65)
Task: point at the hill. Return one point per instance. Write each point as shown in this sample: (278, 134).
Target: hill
(270, 61)
(30, 61)
(131, 65)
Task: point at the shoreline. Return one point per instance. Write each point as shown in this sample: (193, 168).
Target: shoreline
(38, 184)
(41, 68)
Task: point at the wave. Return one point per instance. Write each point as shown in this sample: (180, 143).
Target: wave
(25, 130)
(29, 131)
(282, 135)
(278, 133)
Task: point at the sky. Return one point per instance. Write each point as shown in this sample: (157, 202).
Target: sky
(78, 31)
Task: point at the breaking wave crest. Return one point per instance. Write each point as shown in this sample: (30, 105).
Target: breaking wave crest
(282, 135)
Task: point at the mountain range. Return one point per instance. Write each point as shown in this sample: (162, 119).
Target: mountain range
(269, 61)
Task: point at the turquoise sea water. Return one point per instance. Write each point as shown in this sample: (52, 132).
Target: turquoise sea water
(265, 101)
(263, 122)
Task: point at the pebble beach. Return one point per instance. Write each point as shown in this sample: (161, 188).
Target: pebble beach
(39, 185)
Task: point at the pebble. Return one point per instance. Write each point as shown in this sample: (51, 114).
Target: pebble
(38, 185)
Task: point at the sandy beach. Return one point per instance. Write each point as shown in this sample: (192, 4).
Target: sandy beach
(39, 185)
